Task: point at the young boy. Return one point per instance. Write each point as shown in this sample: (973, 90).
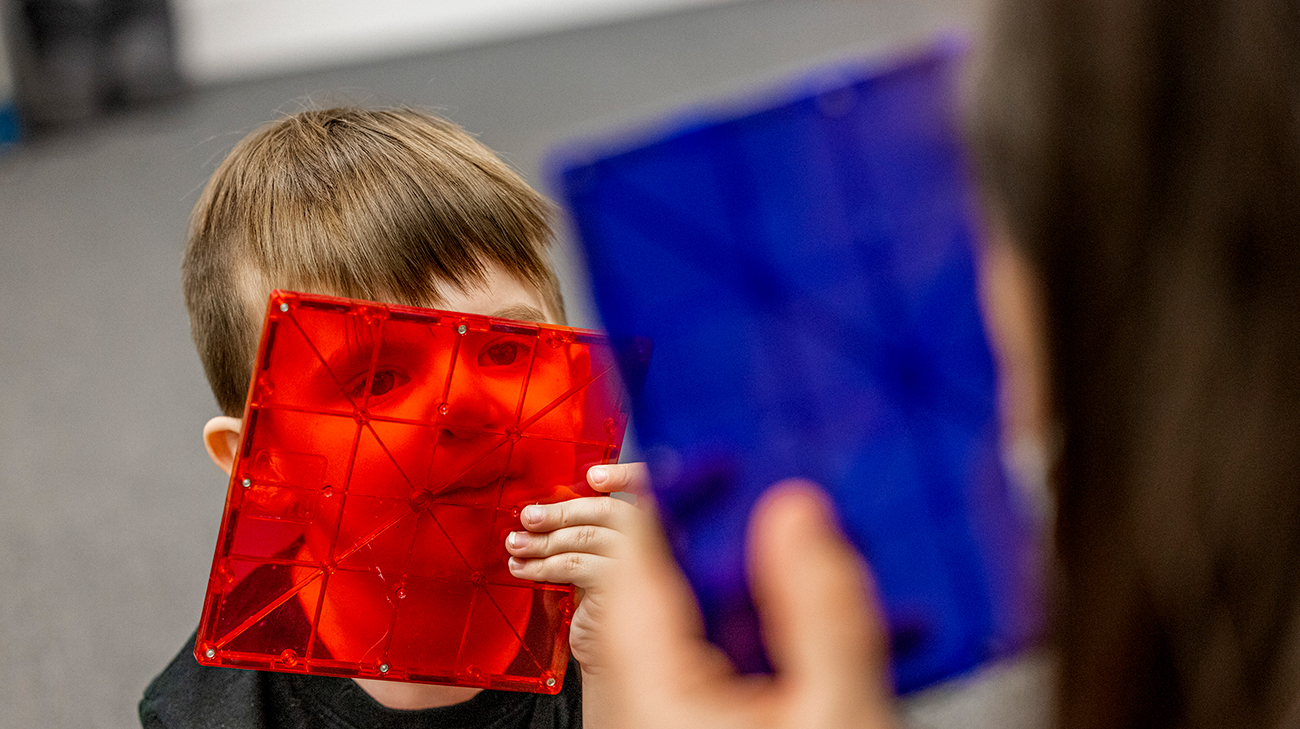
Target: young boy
(402, 207)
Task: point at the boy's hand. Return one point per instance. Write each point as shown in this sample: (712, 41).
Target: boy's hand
(579, 542)
(631, 478)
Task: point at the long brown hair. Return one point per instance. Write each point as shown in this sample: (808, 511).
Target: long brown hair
(1145, 157)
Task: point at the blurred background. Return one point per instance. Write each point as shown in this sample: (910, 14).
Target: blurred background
(113, 113)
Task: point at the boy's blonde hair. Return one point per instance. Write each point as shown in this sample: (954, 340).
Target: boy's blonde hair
(372, 204)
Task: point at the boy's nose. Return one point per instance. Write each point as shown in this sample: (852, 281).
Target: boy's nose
(474, 432)
(478, 405)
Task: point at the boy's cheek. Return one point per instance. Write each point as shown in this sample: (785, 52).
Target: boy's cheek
(544, 470)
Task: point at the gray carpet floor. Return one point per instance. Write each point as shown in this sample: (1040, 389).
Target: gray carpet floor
(108, 504)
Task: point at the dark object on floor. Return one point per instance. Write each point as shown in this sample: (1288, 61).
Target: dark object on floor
(76, 59)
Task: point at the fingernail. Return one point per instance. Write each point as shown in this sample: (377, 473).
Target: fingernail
(515, 564)
(597, 475)
(814, 518)
(533, 514)
(803, 509)
(518, 539)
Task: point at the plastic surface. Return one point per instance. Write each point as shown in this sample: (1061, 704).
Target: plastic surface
(804, 265)
(386, 453)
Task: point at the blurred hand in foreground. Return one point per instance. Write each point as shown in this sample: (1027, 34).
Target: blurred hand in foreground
(823, 631)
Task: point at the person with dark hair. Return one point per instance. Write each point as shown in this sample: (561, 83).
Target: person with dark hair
(1144, 159)
(1141, 168)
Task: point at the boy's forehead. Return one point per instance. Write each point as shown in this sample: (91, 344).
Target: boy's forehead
(499, 294)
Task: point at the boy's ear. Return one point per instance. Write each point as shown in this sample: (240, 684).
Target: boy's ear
(221, 437)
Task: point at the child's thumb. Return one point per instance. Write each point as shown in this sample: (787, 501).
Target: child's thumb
(821, 621)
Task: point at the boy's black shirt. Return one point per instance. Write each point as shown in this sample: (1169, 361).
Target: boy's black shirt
(189, 696)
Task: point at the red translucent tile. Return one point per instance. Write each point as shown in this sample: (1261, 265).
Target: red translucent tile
(375, 535)
(497, 628)
(555, 410)
(428, 632)
(452, 542)
(386, 454)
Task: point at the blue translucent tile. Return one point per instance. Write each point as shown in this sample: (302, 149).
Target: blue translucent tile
(803, 264)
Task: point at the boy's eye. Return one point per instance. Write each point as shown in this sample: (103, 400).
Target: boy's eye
(502, 353)
(382, 383)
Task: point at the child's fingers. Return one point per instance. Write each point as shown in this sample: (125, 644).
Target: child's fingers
(821, 620)
(596, 511)
(586, 538)
(583, 570)
(630, 477)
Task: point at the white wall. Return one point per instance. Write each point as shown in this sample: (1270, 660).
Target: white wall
(223, 40)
